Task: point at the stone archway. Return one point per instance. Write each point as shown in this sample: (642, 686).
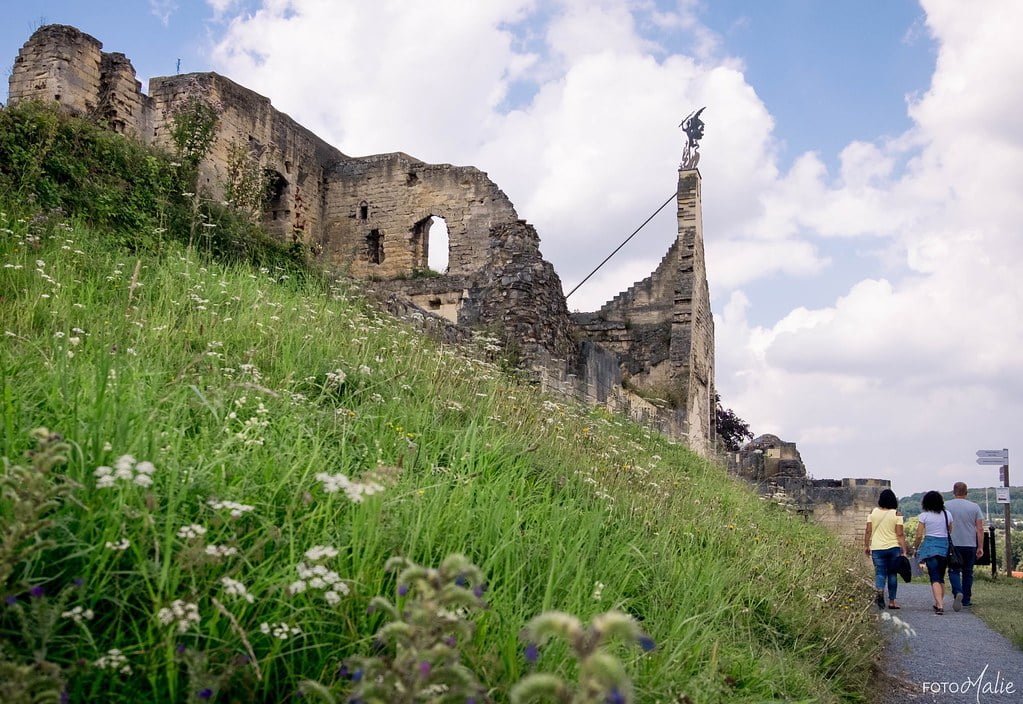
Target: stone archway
(429, 244)
(439, 249)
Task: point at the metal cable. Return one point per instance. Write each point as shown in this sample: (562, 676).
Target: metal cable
(673, 195)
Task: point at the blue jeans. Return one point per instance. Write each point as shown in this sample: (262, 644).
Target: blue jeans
(884, 570)
(962, 581)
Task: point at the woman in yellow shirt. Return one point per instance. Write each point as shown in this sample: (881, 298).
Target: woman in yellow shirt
(884, 540)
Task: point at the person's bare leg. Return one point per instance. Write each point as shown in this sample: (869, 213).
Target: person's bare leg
(938, 591)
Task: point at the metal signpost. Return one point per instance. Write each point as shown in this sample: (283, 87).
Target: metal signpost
(1001, 457)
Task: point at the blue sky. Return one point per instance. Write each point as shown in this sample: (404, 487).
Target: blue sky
(860, 169)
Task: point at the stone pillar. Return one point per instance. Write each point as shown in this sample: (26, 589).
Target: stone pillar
(692, 327)
(58, 64)
(122, 106)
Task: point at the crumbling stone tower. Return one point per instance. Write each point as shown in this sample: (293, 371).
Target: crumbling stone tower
(662, 327)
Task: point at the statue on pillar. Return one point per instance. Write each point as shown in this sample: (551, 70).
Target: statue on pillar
(693, 127)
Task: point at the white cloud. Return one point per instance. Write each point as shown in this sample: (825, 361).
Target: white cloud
(221, 7)
(163, 9)
(906, 370)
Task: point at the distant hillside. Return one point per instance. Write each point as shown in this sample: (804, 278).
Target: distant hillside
(910, 505)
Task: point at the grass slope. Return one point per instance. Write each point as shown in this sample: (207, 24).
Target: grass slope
(243, 384)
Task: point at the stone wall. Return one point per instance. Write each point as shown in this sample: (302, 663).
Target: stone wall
(662, 327)
(776, 468)
(295, 160)
(396, 196)
(692, 325)
(61, 64)
(122, 106)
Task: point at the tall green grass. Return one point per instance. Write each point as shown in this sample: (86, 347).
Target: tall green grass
(243, 384)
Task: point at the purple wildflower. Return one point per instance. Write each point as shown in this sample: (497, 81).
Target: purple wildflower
(180, 649)
(343, 671)
(478, 590)
(647, 643)
(357, 675)
(615, 697)
(37, 592)
(424, 669)
(205, 693)
(10, 600)
(532, 653)
(402, 589)
(461, 581)
(450, 641)
(78, 581)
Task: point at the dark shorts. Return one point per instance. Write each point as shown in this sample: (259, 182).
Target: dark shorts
(936, 565)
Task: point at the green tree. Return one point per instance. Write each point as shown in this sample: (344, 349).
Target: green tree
(731, 429)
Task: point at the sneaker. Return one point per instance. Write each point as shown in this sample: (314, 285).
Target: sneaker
(879, 600)
(967, 604)
(957, 603)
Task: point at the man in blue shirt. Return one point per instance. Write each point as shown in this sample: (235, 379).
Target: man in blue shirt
(968, 540)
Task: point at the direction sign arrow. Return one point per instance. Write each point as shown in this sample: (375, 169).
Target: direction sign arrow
(1004, 454)
(990, 460)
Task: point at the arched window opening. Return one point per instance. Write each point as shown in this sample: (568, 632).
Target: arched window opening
(276, 192)
(430, 245)
(363, 210)
(438, 253)
(375, 247)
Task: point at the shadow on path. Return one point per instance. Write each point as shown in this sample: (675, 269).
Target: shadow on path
(953, 659)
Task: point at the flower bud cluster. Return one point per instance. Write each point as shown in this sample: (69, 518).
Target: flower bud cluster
(281, 631)
(182, 614)
(126, 469)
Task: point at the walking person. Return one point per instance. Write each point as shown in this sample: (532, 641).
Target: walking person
(968, 541)
(884, 540)
(931, 544)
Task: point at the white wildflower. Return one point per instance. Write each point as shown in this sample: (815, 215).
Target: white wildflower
(78, 614)
(236, 509)
(598, 590)
(320, 552)
(114, 660)
(221, 550)
(181, 614)
(191, 531)
(279, 630)
(235, 588)
(120, 546)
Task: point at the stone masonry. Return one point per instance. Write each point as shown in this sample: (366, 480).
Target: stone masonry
(776, 468)
(662, 327)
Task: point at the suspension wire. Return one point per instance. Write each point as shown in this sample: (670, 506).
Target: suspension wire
(608, 258)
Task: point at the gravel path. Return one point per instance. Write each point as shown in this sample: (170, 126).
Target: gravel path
(954, 658)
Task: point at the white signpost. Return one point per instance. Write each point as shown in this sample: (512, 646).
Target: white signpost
(1001, 458)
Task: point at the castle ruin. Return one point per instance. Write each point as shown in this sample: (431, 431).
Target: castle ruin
(648, 352)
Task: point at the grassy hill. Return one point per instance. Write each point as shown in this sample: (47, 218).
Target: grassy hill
(236, 449)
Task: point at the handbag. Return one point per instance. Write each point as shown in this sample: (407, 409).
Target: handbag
(952, 559)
